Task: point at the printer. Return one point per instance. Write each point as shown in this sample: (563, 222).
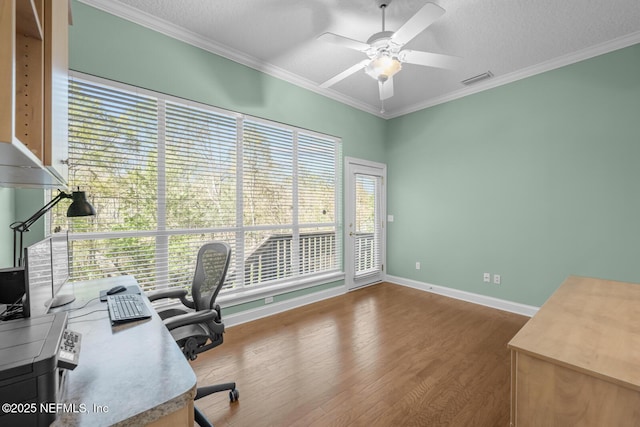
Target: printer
(30, 376)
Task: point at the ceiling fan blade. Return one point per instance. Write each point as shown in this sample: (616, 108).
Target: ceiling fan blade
(386, 89)
(346, 73)
(417, 23)
(343, 41)
(429, 59)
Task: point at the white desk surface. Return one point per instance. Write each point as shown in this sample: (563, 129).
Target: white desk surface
(131, 374)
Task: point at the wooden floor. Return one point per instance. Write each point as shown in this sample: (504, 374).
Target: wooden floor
(385, 355)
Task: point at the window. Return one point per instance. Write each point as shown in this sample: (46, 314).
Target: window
(166, 175)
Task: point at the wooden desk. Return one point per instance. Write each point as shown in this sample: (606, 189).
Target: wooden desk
(133, 374)
(577, 361)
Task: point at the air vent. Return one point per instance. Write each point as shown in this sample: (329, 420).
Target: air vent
(476, 79)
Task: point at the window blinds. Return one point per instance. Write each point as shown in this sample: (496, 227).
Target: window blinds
(166, 175)
(368, 228)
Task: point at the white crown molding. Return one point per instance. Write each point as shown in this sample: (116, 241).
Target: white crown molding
(500, 304)
(164, 27)
(179, 33)
(561, 61)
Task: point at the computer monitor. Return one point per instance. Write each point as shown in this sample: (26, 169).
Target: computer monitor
(37, 275)
(60, 268)
(46, 270)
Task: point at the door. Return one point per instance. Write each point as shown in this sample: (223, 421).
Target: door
(365, 222)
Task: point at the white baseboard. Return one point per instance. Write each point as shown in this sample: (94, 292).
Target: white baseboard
(500, 304)
(279, 307)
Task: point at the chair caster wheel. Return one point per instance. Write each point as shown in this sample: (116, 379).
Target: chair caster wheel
(234, 395)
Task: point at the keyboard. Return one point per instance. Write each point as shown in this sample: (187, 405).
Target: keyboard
(127, 308)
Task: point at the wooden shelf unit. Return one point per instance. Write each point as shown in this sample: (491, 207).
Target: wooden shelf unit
(33, 92)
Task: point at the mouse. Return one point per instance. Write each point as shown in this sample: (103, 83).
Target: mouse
(116, 289)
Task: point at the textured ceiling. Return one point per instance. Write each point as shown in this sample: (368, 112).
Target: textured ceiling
(510, 38)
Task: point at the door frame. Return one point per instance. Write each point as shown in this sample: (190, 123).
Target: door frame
(353, 166)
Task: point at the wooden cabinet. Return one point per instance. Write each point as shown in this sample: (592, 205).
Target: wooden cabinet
(577, 361)
(56, 84)
(33, 92)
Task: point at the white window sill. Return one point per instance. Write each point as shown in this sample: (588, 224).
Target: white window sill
(248, 295)
(243, 296)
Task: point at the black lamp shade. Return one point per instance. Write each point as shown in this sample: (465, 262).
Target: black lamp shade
(80, 206)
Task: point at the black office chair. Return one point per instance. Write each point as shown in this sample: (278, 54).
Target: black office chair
(198, 327)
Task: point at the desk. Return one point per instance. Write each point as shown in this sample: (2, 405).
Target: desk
(134, 373)
(577, 361)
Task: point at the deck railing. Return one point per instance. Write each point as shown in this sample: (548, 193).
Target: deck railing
(365, 253)
(273, 259)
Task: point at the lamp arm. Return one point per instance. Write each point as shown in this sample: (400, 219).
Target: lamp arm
(22, 226)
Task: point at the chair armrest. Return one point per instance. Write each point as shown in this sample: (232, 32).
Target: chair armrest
(166, 293)
(171, 293)
(194, 318)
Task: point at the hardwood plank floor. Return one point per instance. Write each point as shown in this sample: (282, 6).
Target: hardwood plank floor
(385, 355)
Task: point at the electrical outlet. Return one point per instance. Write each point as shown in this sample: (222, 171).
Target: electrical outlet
(487, 278)
(417, 265)
(268, 300)
(496, 279)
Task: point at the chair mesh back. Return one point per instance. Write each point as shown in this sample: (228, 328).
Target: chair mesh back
(211, 269)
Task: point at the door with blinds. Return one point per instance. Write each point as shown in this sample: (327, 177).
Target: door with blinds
(365, 222)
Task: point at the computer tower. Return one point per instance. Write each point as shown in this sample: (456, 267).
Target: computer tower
(12, 290)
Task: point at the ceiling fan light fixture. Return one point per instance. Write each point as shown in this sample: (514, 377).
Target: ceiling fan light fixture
(382, 67)
(385, 49)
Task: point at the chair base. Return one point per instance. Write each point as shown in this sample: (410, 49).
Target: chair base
(200, 418)
(210, 389)
(206, 391)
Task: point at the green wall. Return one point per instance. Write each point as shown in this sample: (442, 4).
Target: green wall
(7, 216)
(18, 205)
(534, 180)
(104, 45)
(29, 201)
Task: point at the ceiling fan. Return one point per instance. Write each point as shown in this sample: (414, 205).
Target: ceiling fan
(385, 53)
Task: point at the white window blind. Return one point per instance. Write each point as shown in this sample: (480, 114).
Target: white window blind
(167, 175)
(317, 174)
(368, 229)
(200, 167)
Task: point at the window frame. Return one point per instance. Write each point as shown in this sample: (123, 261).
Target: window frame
(241, 293)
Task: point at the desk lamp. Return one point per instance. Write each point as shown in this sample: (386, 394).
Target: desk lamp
(79, 207)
